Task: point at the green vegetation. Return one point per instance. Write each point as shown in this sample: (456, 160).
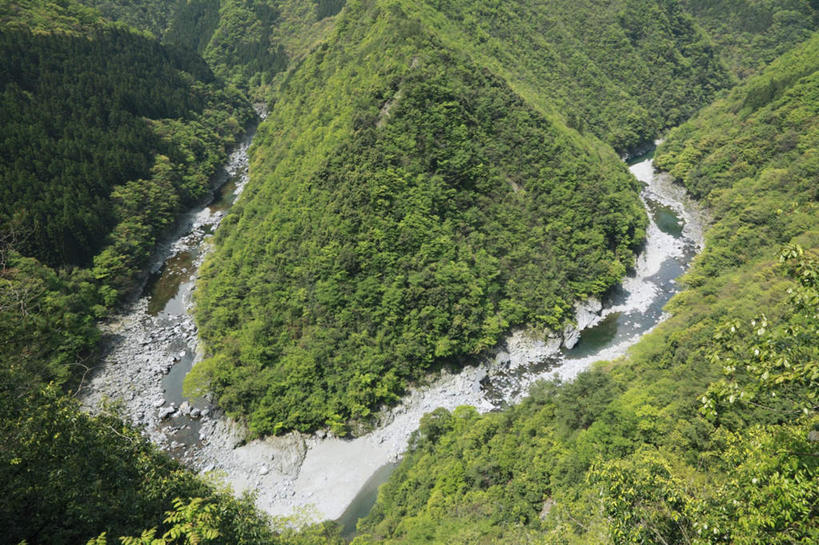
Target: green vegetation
(434, 173)
(700, 435)
(105, 136)
(245, 42)
(358, 258)
(67, 477)
(82, 164)
(44, 16)
(623, 70)
(749, 34)
(401, 214)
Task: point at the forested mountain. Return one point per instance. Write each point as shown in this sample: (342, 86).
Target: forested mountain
(106, 135)
(411, 230)
(368, 250)
(749, 34)
(82, 115)
(701, 435)
(615, 69)
(619, 70)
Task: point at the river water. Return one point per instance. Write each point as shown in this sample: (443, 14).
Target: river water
(152, 345)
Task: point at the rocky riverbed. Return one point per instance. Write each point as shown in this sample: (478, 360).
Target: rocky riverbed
(149, 352)
(143, 347)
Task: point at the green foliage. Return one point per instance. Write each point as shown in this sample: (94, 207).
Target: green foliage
(44, 16)
(407, 209)
(762, 484)
(756, 131)
(48, 327)
(421, 195)
(643, 499)
(648, 469)
(105, 135)
(191, 524)
(749, 34)
(443, 195)
(246, 42)
(67, 476)
(583, 400)
(622, 70)
(328, 8)
(772, 364)
(74, 132)
(241, 45)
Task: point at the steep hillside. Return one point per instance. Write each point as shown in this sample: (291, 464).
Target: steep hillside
(433, 174)
(246, 42)
(701, 435)
(749, 34)
(412, 199)
(84, 114)
(622, 70)
(106, 135)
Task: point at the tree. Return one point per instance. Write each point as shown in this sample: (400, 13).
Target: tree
(769, 363)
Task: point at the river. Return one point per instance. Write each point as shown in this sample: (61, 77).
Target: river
(153, 343)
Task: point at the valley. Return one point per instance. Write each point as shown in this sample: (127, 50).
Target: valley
(438, 288)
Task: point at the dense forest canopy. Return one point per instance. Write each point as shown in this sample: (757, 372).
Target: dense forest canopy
(434, 212)
(359, 258)
(75, 113)
(621, 70)
(749, 34)
(105, 135)
(246, 42)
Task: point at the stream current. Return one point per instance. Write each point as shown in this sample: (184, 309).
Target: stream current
(153, 343)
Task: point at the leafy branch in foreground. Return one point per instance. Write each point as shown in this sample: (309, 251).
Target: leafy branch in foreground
(765, 362)
(193, 523)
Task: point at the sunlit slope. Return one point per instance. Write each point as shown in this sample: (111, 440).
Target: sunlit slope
(407, 207)
(749, 34)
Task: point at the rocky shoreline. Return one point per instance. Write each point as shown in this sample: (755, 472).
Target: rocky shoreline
(319, 475)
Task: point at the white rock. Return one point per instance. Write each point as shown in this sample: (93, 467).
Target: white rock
(586, 314)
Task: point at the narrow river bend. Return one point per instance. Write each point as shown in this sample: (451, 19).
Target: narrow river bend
(153, 343)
